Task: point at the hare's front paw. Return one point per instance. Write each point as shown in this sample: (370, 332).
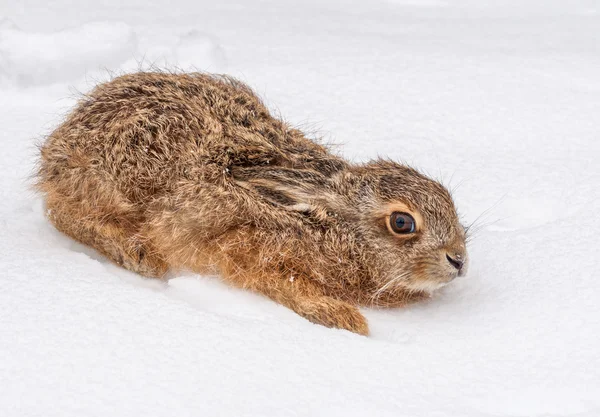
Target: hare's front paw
(330, 312)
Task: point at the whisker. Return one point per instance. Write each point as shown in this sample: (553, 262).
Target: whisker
(390, 284)
(485, 212)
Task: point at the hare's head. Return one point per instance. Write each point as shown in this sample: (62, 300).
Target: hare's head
(404, 224)
(418, 240)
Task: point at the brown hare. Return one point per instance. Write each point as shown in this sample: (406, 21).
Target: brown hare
(164, 171)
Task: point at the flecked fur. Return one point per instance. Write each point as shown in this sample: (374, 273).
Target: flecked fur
(165, 171)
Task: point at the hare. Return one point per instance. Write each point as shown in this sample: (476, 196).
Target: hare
(163, 171)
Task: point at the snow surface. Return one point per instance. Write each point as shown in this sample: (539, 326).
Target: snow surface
(499, 99)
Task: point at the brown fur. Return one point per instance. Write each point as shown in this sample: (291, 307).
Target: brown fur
(166, 171)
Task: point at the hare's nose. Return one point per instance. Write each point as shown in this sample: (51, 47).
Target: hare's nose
(456, 261)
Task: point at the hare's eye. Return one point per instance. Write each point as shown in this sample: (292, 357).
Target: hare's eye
(402, 223)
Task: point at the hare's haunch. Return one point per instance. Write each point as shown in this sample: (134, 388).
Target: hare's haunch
(160, 171)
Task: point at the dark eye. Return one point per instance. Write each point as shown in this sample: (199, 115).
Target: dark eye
(402, 223)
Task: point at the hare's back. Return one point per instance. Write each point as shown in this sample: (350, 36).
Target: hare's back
(153, 129)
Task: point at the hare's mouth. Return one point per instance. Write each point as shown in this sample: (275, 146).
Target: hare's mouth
(433, 278)
(426, 277)
(429, 285)
(440, 272)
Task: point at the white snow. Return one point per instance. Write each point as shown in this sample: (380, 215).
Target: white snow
(499, 99)
(33, 58)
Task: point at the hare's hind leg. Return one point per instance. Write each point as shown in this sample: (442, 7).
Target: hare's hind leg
(116, 239)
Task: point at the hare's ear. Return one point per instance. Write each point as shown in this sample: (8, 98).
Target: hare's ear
(295, 190)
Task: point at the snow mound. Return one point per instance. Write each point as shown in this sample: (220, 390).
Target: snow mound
(36, 58)
(195, 49)
(191, 50)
